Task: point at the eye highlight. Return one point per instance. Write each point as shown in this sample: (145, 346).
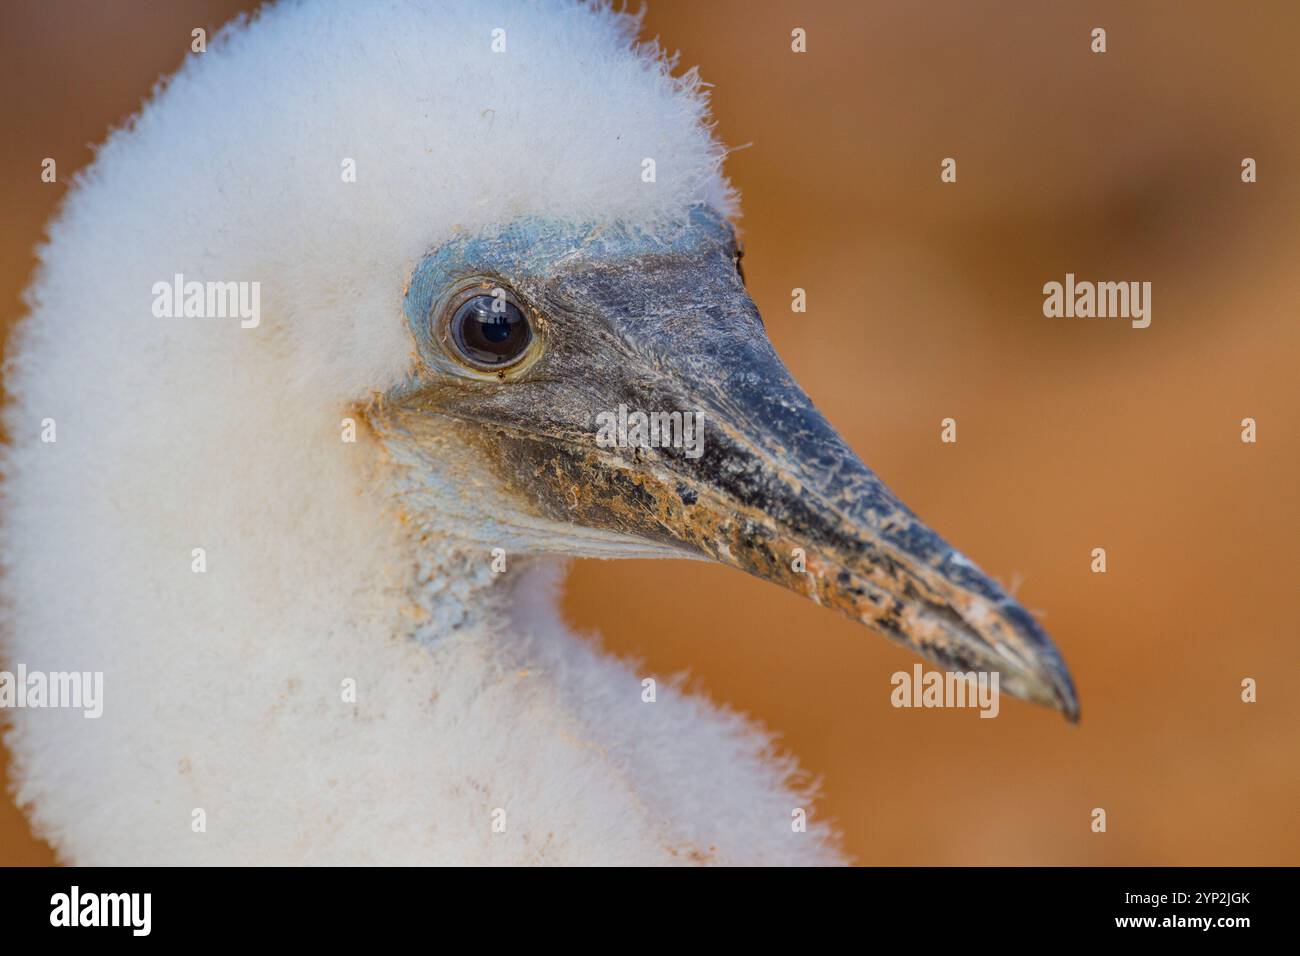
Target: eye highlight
(486, 328)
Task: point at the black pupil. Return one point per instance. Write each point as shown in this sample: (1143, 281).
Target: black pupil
(490, 330)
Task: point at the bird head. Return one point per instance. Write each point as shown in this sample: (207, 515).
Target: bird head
(610, 391)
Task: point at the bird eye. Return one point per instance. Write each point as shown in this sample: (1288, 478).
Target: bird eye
(487, 330)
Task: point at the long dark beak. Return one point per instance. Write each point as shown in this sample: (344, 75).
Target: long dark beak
(767, 486)
(775, 484)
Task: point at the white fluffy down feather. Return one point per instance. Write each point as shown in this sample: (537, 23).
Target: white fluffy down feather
(223, 689)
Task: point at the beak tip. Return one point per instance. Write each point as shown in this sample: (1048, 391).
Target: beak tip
(1065, 698)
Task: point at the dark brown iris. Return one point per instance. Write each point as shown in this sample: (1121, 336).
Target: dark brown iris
(490, 331)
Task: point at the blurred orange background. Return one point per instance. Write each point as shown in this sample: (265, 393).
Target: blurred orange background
(925, 302)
